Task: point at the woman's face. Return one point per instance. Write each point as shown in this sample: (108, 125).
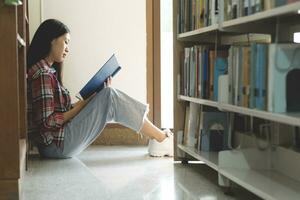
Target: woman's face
(59, 48)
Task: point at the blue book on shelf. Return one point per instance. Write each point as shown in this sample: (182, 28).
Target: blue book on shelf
(96, 83)
(214, 133)
(261, 70)
(205, 75)
(220, 68)
(280, 2)
(199, 75)
(253, 75)
(192, 72)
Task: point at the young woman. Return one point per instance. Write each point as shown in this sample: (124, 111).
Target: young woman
(62, 130)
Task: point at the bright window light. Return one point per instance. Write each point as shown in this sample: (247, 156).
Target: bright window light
(166, 47)
(298, 11)
(297, 37)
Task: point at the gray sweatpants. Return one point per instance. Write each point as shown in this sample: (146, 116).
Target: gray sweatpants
(109, 105)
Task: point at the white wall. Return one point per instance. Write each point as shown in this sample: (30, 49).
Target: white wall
(100, 28)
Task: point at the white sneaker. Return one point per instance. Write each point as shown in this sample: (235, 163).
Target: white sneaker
(164, 148)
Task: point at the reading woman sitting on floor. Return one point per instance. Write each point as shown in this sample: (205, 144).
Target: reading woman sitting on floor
(62, 130)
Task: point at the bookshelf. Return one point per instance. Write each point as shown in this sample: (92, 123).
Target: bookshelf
(13, 124)
(266, 15)
(269, 173)
(210, 158)
(286, 118)
(192, 35)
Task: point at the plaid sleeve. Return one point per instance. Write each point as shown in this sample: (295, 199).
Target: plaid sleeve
(43, 102)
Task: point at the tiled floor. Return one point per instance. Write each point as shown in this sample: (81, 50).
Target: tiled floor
(123, 173)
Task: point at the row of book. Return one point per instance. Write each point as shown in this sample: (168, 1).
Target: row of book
(232, 9)
(247, 76)
(206, 130)
(195, 14)
(257, 76)
(200, 64)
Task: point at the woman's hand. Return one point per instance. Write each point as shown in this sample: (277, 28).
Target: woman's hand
(108, 82)
(83, 102)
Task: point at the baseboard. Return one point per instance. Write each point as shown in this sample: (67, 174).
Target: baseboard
(116, 134)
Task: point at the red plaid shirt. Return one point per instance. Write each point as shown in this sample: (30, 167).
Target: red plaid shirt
(47, 100)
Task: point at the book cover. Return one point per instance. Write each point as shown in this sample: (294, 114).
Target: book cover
(193, 124)
(186, 125)
(267, 5)
(96, 83)
(222, 8)
(220, 68)
(199, 66)
(214, 12)
(246, 75)
(206, 13)
(214, 135)
(261, 65)
(191, 72)
(239, 78)
(253, 75)
(186, 70)
(197, 71)
(283, 58)
(230, 75)
(223, 85)
(202, 13)
(205, 74)
(212, 58)
(235, 75)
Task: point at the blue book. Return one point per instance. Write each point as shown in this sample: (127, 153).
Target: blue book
(205, 74)
(253, 75)
(214, 131)
(261, 70)
(96, 83)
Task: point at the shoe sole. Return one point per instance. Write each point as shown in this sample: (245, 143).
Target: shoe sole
(160, 154)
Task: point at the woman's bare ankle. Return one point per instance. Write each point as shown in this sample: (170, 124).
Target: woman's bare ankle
(162, 137)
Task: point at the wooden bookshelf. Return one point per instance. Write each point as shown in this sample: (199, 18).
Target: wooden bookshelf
(270, 174)
(13, 124)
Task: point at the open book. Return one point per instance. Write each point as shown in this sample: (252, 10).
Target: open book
(96, 83)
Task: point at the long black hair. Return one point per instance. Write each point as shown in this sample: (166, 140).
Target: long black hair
(41, 43)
